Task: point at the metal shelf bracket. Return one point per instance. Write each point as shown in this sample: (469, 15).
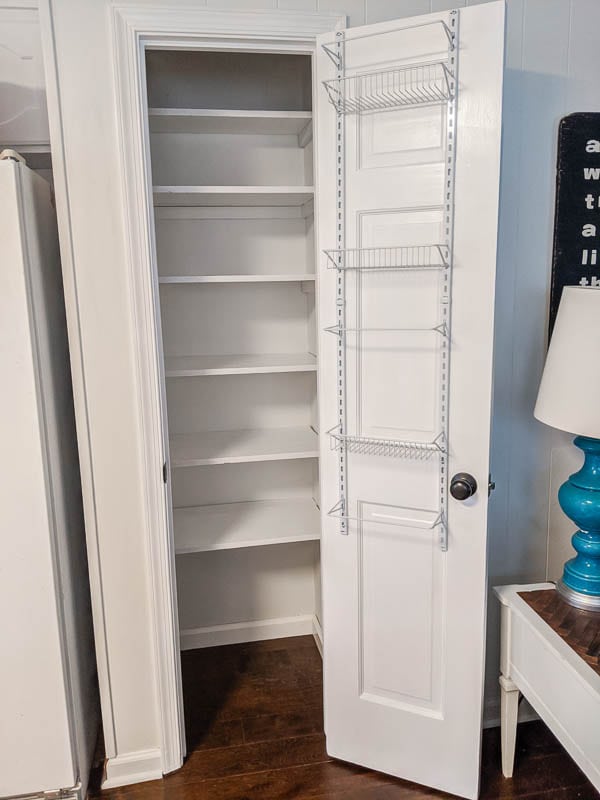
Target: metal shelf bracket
(420, 83)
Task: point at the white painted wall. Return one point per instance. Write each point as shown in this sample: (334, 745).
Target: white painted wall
(552, 64)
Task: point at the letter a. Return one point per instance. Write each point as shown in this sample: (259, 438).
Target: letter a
(588, 230)
(593, 146)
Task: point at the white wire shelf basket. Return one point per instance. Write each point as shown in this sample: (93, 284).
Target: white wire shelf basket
(340, 331)
(365, 445)
(420, 84)
(428, 256)
(413, 518)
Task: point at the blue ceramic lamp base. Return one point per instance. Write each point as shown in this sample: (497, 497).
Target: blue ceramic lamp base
(579, 498)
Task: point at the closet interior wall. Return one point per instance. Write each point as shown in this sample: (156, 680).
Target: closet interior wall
(231, 148)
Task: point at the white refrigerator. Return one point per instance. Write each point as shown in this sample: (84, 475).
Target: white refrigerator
(48, 686)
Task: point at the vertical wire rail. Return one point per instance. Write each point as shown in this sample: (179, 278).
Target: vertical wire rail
(446, 295)
(340, 168)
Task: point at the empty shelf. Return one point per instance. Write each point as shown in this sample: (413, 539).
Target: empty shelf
(240, 364)
(216, 120)
(233, 525)
(227, 196)
(236, 447)
(255, 278)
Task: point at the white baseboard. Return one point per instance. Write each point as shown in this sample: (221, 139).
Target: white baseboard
(239, 632)
(317, 632)
(142, 765)
(491, 713)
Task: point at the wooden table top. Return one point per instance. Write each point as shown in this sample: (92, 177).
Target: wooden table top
(579, 629)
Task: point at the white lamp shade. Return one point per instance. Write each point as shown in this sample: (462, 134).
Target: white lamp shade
(569, 395)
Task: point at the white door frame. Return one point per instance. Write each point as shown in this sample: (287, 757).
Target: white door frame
(134, 29)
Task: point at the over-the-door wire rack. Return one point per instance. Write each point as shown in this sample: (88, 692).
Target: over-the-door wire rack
(409, 85)
(365, 445)
(391, 88)
(429, 256)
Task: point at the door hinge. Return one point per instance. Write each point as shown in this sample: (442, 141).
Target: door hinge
(491, 484)
(165, 472)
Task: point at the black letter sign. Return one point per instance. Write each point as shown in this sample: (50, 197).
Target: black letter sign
(576, 258)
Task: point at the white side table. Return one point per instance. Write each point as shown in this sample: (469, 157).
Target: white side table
(550, 652)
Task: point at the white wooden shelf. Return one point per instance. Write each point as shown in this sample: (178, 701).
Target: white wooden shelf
(239, 364)
(217, 120)
(255, 278)
(243, 446)
(227, 196)
(234, 525)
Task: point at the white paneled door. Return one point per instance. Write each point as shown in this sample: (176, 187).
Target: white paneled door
(408, 161)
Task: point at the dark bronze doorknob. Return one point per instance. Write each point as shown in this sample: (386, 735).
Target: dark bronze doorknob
(463, 486)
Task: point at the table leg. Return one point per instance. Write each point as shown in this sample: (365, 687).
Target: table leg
(509, 712)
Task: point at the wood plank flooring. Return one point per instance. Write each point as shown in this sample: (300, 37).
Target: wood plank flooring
(255, 732)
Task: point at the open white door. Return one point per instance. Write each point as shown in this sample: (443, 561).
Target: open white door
(408, 155)
(38, 712)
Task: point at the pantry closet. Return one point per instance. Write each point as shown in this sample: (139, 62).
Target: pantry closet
(232, 170)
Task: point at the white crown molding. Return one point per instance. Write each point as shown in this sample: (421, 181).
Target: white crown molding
(188, 22)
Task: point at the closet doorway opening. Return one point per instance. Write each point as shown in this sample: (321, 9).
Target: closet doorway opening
(231, 152)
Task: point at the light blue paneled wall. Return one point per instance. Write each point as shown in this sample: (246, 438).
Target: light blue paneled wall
(551, 68)
(362, 11)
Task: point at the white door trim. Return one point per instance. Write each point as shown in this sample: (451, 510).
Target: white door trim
(79, 376)
(133, 29)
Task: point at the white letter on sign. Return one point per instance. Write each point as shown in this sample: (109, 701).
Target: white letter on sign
(591, 173)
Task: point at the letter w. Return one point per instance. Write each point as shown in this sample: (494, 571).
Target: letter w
(592, 173)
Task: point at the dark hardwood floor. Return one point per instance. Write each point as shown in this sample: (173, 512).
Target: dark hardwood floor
(255, 732)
